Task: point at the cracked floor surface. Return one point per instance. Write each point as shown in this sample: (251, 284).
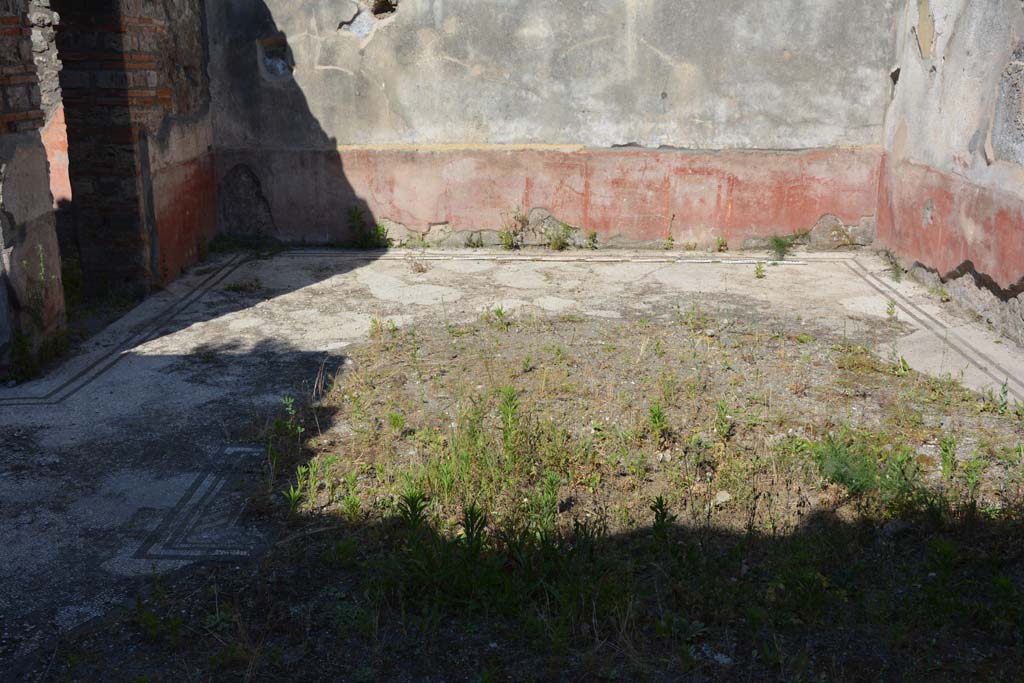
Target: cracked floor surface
(129, 460)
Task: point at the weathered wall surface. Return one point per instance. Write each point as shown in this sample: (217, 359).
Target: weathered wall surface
(31, 295)
(449, 86)
(952, 196)
(786, 74)
(627, 196)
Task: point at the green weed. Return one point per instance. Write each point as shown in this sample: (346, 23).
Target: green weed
(658, 423)
(560, 238)
(947, 453)
(781, 245)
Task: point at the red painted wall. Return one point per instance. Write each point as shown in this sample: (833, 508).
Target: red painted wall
(186, 215)
(638, 194)
(55, 139)
(942, 221)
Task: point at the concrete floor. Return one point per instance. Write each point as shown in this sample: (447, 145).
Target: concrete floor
(124, 461)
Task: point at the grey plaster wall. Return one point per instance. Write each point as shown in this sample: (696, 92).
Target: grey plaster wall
(32, 302)
(958, 104)
(701, 74)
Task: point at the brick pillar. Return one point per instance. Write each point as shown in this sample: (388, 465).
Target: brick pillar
(109, 97)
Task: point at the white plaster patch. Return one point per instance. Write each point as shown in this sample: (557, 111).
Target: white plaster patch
(391, 288)
(123, 493)
(555, 304)
(599, 313)
(521, 276)
(240, 323)
(466, 266)
(506, 305)
(866, 305)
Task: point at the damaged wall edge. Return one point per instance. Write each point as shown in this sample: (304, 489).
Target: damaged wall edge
(32, 315)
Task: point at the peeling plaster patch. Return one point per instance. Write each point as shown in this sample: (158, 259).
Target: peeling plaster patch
(972, 232)
(244, 209)
(361, 26)
(925, 29)
(349, 10)
(365, 21)
(928, 214)
(1008, 127)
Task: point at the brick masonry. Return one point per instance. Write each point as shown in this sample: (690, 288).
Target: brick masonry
(129, 70)
(20, 100)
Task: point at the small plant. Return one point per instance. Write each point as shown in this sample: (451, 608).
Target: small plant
(474, 241)
(508, 410)
(38, 287)
(973, 470)
(294, 495)
(947, 453)
(412, 510)
(417, 241)
(379, 329)
(500, 319)
(1003, 402)
(511, 235)
(840, 463)
(895, 269)
(543, 503)
(396, 421)
(559, 238)
(273, 463)
(380, 236)
(669, 243)
(509, 240)
(474, 531)
(781, 245)
(351, 506)
(365, 236)
(592, 239)
(898, 364)
(721, 245)
(658, 423)
(663, 517)
(890, 310)
(725, 426)
(759, 270)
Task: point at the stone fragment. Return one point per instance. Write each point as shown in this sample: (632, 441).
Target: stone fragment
(829, 233)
